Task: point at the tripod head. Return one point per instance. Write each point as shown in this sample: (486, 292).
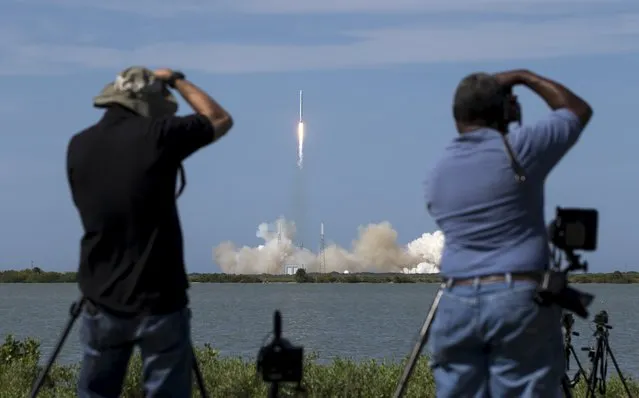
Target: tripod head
(554, 289)
(574, 261)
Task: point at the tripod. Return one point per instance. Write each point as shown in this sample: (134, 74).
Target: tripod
(568, 320)
(419, 346)
(74, 312)
(599, 358)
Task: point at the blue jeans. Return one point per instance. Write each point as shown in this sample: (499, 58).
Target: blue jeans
(108, 342)
(493, 340)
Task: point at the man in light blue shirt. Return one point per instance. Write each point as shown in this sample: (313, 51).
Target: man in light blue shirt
(489, 338)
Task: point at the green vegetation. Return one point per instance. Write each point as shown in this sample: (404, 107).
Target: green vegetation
(36, 275)
(234, 377)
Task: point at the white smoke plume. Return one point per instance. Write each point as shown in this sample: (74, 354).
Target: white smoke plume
(375, 250)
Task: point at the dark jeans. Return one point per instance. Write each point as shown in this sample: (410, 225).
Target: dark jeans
(493, 340)
(108, 342)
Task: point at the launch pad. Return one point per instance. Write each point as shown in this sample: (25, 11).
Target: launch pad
(292, 269)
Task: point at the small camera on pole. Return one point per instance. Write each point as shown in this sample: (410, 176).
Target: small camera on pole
(280, 361)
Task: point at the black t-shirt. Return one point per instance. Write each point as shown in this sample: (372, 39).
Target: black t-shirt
(122, 173)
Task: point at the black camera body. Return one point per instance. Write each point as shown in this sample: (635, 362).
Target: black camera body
(574, 229)
(280, 361)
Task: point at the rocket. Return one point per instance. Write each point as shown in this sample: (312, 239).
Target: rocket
(301, 115)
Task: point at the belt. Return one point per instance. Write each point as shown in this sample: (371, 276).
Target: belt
(518, 276)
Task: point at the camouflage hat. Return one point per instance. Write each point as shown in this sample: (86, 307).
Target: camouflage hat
(137, 89)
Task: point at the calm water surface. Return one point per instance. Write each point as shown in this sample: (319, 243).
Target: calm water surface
(359, 321)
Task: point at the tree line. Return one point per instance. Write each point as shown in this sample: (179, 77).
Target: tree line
(37, 275)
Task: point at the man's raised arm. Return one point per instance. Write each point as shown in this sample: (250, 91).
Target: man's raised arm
(203, 104)
(557, 96)
(182, 136)
(544, 143)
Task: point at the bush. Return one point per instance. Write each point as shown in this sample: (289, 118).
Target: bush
(234, 377)
(301, 276)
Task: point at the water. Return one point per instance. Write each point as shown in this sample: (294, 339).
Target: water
(360, 321)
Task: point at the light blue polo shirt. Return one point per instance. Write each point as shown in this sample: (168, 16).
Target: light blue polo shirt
(493, 223)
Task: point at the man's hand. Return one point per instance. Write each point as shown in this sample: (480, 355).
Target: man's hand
(163, 74)
(512, 78)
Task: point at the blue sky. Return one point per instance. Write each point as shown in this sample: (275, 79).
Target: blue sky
(378, 77)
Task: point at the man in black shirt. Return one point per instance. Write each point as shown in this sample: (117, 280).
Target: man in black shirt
(122, 173)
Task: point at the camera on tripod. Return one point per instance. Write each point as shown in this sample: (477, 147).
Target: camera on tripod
(601, 320)
(280, 361)
(598, 355)
(572, 229)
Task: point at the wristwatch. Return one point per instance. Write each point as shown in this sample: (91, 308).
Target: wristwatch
(175, 76)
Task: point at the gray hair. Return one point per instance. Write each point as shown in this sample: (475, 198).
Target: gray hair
(479, 97)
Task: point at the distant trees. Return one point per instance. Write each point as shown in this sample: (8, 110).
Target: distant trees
(301, 276)
(37, 275)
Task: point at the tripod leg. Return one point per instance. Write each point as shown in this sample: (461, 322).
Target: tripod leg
(74, 312)
(580, 367)
(274, 391)
(423, 338)
(592, 381)
(567, 347)
(614, 362)
(565, 386)
(198, 376)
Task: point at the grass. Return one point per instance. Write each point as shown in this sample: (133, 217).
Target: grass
(236, 378)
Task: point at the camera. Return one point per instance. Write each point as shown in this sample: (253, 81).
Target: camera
(574, 229)
(601, 319)
(280, 361)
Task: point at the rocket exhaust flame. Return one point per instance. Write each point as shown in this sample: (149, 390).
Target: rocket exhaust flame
(300, 144)
(300, 137)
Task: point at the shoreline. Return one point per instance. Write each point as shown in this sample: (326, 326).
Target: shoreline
(37, 275)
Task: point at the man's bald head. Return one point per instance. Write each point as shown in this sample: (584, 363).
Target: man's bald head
(480, 100)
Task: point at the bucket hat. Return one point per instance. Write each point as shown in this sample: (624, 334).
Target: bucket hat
(137, 89)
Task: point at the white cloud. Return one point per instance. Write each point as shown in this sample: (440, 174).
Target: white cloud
(403, 6)
(372, 48)
(170, 8)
